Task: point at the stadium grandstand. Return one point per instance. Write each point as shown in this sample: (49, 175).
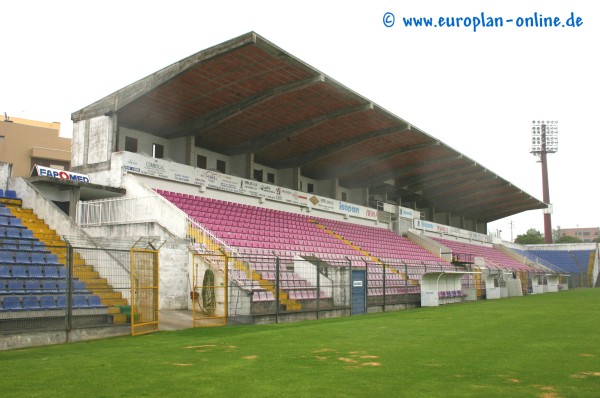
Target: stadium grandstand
(249, 187)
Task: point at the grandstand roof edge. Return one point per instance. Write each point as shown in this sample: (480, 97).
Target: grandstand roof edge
(349, 100)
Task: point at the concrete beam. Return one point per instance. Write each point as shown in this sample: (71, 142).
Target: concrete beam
(200, 126)
(322, 152)
(350, 168)
(266, 140)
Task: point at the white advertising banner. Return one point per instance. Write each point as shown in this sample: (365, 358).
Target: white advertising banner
(44, 171)
(405, 212)
(444, 229)
(161, 168)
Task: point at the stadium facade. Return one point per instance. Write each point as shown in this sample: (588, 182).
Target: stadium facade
(276, 193)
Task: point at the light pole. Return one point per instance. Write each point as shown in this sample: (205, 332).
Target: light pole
(544, 140)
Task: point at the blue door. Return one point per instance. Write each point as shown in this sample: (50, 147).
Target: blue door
(359, 289)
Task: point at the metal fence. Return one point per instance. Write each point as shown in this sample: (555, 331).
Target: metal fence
(64, 287)
(271, 288)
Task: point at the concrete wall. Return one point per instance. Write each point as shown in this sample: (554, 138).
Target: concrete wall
(430, 245)
(93, 141)
(145, 142)
(33, 339)
(52, 215)
(5, 174)
(174, 259)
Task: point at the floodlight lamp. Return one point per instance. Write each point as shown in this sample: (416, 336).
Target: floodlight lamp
(544, 136)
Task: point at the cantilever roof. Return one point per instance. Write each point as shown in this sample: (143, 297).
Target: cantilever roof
(247, 95)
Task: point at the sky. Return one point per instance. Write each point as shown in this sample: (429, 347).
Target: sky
(478, 89)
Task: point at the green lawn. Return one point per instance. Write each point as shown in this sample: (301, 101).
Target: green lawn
(535, 346)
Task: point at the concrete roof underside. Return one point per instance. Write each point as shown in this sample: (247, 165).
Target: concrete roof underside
(247, 95)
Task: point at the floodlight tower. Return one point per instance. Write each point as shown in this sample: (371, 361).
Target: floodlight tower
(544, 140)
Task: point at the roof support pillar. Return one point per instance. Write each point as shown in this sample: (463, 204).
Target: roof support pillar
(243, 165)
(190, 145)
(290, 178)
(74, 197)
(334, 185)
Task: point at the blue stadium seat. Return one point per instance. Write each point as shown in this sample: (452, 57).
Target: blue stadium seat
(7, 257)
(38, 258)
(5, 211)
(4, 271)
(4, 221)
(25, 245)
(61, 301)
(79, 301)
(12, 232)
(10, 194)
(51, 272)
(22, 258)
(35, 271)
(79, 286)
(38, 246)
(49, 286)
(15, 222)
(19, 271)
(52, 259)
(94, 301)
(30, 303)
(9, 244)
(62, 272)
(26, 233)
(16, 286)
(12, 303)
(48, 302)
(62, 286)
(33, 286)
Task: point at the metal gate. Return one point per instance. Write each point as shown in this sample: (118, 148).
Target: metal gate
(359, 288)
(144, 287)
(209, 290)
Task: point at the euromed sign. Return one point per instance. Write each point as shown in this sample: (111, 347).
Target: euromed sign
(43, 171)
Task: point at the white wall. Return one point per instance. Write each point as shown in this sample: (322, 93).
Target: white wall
(177, 150)
(145, 142)
(5, 174)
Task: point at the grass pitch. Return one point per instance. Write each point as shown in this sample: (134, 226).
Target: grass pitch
(534, 346)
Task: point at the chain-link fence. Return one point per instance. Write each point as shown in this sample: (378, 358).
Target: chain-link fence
(63, 287)
(269, 288)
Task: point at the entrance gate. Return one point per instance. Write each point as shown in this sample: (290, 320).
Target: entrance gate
(143, 259)
(359, 288)
(209, 290)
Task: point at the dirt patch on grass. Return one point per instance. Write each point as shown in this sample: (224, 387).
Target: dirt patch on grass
(514, 380)
(585, 375)
(192, 347)
(211, 347)
(250, 357)
(586, 355)
(323, 350)
(371, 364)
(353, 359)
(179, 364)
(547, 391)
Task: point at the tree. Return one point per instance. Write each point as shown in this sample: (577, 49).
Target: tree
(568, 239)
(532, 237)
